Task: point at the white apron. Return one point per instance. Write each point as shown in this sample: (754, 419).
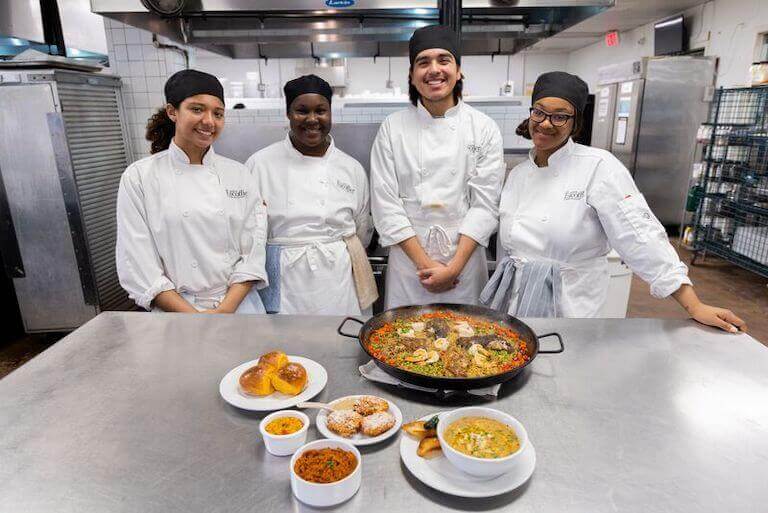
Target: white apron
(439, 238)
(316, 278)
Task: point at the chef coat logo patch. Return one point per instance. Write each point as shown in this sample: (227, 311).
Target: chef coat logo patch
(345, 187)
(474, 149)
(237, 193)
(574, 195)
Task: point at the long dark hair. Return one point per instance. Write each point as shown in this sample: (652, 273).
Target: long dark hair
(160, 130)
(414, 95)
(523, 131)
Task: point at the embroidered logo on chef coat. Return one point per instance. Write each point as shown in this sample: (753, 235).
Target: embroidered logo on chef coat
(344, 186)
(237, 193)
(573, 195)
(474, 149)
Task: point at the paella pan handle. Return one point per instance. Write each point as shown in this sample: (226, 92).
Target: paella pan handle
(338, 330)
(550, 351)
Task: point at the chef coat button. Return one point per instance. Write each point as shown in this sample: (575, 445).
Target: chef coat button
(178, 171)
(322, 202)
(194, 264)
(453, 171)
(556, 173)
(186, 213)
(544, 219)
(453, 127)
(424, 171)
(221, 212)
(290, 202)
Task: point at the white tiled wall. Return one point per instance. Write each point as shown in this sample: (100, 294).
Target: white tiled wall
(144, 70)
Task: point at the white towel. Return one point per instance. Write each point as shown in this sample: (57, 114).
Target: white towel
(372, 372)
(362, 273)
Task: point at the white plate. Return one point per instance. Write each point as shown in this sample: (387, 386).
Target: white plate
(359, 438)
(229, 388)
(438, 473)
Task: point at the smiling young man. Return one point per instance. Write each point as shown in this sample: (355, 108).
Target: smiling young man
(436, 173)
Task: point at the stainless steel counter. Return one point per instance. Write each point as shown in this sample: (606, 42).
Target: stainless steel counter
(635, 416)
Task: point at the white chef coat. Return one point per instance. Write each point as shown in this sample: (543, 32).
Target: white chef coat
(571, 213)
(313, 203)
(196, 229)
(436, 179)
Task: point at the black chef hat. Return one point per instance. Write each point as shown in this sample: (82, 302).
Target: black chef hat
(306, 85)
(433, 36)
(190, 82)
(560, 84)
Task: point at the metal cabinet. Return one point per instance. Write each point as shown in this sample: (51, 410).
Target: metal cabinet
(63, 148)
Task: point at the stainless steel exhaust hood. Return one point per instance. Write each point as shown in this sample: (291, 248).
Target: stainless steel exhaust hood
(344, 28)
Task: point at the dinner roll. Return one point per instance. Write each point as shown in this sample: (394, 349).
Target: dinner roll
(291, 379)
(256, 380)
(276, 359)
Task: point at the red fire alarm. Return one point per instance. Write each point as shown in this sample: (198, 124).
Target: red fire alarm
(612, 38)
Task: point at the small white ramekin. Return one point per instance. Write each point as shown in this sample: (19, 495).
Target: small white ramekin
(284, 445)
(326, 494)
(483, 467)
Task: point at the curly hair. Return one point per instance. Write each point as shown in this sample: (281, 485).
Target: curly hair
(160, 130)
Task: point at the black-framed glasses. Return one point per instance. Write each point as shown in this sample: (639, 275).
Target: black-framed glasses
(557, 119)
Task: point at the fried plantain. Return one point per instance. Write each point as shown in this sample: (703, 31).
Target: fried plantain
(428, 445)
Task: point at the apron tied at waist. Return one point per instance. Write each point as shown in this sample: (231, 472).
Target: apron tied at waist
(438, 241)
(270, 296)
(437, 230)
(311, 250)
(206, 299)
(539, 287)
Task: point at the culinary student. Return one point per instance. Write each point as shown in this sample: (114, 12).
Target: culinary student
(319, 212)
(562, 211)
(190, 228)
(436, 172)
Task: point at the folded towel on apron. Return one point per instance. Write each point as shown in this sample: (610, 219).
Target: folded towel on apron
(362, 273)
(540, 283)
(270, 295)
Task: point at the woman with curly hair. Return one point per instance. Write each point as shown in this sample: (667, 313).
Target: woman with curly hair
(190, 227)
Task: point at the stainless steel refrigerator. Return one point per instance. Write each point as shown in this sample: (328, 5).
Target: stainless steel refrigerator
(63, 148)
(647, 113)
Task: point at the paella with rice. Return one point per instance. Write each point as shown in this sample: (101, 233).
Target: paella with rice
(447, 344)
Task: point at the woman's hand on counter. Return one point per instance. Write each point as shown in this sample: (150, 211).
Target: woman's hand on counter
(706, 314)
(718, 317)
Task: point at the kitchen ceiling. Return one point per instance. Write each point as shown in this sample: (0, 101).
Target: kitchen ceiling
(624, 15)
(347, 28)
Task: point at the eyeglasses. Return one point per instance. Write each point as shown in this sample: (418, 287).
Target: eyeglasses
(556, 119)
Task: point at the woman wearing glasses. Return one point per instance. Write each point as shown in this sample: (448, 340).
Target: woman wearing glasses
(563, 210)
